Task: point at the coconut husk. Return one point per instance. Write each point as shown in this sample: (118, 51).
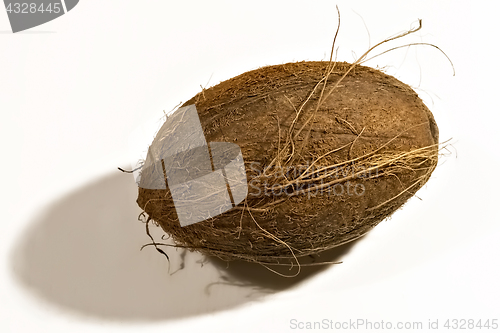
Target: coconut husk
(358, 144)
(374, 129)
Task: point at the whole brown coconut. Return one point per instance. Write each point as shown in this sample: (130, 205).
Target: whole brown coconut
(327, 158)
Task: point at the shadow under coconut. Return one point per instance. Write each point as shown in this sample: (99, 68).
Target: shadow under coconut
(271, 278)
(83, 254)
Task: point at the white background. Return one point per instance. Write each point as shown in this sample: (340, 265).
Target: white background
(73, 90)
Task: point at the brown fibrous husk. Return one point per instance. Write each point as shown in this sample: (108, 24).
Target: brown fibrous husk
(336, 125)
(374, 131)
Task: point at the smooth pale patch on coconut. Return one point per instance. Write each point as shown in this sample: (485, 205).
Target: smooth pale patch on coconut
(331, 149)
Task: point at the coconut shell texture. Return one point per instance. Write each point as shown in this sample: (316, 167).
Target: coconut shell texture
(370, 121)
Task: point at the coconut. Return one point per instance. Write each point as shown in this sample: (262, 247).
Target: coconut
(331, 149)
